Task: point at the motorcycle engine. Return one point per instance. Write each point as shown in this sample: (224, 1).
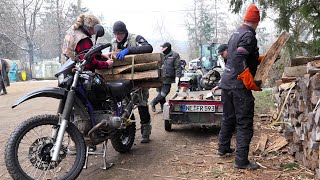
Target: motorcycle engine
(111, 122)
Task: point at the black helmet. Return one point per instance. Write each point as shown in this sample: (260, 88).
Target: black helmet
(222, 48)
(119, 27)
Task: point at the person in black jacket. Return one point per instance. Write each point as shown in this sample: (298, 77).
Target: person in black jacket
(223, 52)
(171, 68)
(4, 78)
(236, 84)
(129, 43)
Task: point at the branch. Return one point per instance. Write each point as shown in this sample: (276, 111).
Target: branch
(22, 48)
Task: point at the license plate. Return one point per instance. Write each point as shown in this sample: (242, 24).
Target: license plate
(198, 108)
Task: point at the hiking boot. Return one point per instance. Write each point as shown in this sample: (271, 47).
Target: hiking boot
(3, 93)
(145, 132)
(250, 166)
(153, 106)
(145, 139)
(228, 151)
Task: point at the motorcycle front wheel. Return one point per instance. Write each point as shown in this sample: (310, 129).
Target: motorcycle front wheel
(27, 153)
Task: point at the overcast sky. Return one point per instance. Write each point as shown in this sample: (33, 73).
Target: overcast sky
(141, 16)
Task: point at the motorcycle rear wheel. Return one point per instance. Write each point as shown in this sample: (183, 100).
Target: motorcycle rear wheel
(27, 153)
(123, 140)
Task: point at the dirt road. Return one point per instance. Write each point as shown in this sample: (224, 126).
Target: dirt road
(185, 153)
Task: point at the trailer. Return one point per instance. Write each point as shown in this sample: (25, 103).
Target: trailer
(202, 108)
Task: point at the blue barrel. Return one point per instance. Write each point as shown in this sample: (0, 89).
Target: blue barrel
(13, 72)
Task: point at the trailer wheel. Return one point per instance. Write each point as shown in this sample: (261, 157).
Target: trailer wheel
(167, 125)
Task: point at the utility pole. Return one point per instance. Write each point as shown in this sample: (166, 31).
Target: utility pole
(216, 39)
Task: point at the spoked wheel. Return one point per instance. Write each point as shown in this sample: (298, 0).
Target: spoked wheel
(27, 153)
(123, 140)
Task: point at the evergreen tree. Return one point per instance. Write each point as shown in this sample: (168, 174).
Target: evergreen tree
(299, 17)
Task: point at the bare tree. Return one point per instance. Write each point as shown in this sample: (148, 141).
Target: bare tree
(22, 28)
(57, 17)
(200, 26)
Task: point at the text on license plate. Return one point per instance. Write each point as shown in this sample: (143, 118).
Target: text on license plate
(198, 108)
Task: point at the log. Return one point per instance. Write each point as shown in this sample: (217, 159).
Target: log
(138, 59)
(296, 71)
(261, 146)
(278, 83)
(299, 156)
(297, 61)
(296, 139)
(315, 96)
(314, 159)
(314, 81)
(286, 86)
(146, 68)
(277, 144)
(313, 67)
(146, 75)
(270, 57)
(288, 79)
(136, 68)
(294, 147)
(315, 133)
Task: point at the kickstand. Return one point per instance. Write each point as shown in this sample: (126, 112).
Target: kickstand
(103, 153)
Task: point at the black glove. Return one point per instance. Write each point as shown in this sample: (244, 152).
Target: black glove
(258, 82)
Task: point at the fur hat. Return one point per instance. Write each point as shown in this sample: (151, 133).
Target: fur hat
(252, 14)
(86, 19)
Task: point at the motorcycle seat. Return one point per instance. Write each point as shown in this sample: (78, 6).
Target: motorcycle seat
(120, 87)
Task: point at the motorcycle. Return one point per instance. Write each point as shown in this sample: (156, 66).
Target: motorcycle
(191, 79)
(91, 112)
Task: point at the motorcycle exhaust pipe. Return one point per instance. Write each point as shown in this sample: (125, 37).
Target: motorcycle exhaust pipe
(113, 123)
(94, 139)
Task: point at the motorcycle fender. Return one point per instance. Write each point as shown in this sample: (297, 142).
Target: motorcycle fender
(52, 92)
(57, 93)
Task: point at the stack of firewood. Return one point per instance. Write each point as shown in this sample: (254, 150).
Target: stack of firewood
(142, 69)
(297, 97)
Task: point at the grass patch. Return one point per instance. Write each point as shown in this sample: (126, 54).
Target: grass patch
(263, 101)
(217, 172)
(289, 166)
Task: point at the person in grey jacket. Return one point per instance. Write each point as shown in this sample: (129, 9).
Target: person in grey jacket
(171, 69)
(4, 79)
(128, 43)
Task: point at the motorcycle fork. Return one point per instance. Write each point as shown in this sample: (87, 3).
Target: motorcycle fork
(64, 119)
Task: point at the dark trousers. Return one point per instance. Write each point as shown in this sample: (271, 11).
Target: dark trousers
(238, 112)
(144, 114)
(163, 91)
(2, 85)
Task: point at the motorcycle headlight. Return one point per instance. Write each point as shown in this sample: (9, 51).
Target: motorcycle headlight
(60, 78)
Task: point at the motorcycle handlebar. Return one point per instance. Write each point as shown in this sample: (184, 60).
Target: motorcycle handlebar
(94, 49)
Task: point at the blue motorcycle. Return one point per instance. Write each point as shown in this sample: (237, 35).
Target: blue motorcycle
(91, 111)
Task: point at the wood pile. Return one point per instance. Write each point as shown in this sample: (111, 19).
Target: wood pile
(143, 69)
(297, 97)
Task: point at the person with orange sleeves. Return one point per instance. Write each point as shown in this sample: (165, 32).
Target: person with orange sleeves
(237, 84)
